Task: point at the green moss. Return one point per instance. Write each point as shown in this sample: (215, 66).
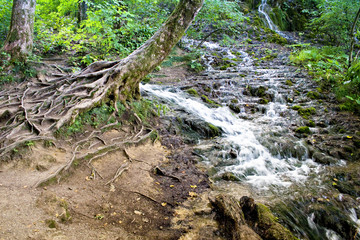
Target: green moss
(51, 223)
(289, 82)
(263, 101)
(207, 100)
(296, 107)
(228, 176)
(304, 112)
(215, 131)
(304, 129)
(311, 123)
(271, 229)
(313, 95)
(192, 91)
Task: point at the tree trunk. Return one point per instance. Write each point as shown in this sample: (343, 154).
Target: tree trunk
(82, 8)
(19, 41)
(352, 37)
(40, 107)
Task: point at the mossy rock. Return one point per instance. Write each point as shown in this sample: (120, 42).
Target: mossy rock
(311, 123)
(263, 101)
(192, 91)
(276, 38)
(289, 82)
(302, 130)
(313, 95)
(272, 229)
(261, 219)
(228, 176)
(235, 107)
(207, 100)
(305, 112)
(196, 129)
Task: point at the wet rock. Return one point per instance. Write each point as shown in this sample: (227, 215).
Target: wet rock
(331, 217)
(303, 131)
(228, 176)
(196, 129)
(260, 218)
(322, 158)
(235, 107)
(233, 153)
(231, 219)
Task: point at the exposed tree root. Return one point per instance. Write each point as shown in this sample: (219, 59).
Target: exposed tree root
(118, 173)
(34, 109)
(92, 155)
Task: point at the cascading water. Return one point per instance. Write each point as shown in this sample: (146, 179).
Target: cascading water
(263, 11)
(257, 147)
(253, 162)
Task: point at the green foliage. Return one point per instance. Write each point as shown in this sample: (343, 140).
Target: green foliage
(326, 64)
(221, 16)
(334, 22)
(5, 16)
(352, 83)
(144, 109)
(95, 117)
(15, 71)
(111, 26)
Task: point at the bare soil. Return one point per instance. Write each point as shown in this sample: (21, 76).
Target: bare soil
(88, 202)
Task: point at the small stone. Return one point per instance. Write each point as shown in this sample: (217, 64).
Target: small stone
(233, 153)
(137, 212)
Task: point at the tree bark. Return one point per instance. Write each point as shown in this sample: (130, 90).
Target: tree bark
(352, 37)
(19, 41)
(82, 8)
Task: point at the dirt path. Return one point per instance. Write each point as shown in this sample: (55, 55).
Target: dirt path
(81, 207)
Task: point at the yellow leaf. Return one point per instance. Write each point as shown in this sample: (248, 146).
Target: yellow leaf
(349, 137)
(157, 183)
(193, 194)
(335, 179)
(193, 186)
(163, 204)
(172, 186)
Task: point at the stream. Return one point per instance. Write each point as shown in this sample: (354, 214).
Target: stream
(257, 144)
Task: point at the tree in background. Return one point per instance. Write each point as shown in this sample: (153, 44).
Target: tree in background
(19, 41)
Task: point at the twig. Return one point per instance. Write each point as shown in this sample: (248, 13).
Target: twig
(118, 173)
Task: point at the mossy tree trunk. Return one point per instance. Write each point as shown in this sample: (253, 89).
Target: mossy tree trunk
(352, 37)
(19, 41)
(44, 106)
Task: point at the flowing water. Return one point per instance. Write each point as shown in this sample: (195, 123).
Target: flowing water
(257, 144)
(263, 8)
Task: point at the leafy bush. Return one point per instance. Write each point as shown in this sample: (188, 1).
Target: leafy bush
(219, 16)
(335, 19)
(5, 16)
(328, 66)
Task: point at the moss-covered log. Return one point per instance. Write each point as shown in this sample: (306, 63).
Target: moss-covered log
(19, 41)
(34, 109)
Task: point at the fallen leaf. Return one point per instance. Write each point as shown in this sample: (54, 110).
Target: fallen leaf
(193, 186)
(193, 194)
(163, 204)
(172, 186)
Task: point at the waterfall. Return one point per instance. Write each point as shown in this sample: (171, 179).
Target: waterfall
(262, 9)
